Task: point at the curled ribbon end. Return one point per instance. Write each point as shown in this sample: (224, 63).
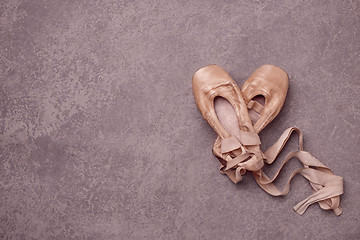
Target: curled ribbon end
(338, 211)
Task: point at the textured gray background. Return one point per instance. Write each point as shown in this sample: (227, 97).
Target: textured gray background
(101, 137)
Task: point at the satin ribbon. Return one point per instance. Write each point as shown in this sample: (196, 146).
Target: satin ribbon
(327, 186)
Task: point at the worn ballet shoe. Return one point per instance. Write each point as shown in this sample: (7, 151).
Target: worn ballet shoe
(237, 145)
(220, 102)
(270, 82)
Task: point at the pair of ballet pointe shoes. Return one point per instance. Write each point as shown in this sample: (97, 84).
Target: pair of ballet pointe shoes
(238, 115)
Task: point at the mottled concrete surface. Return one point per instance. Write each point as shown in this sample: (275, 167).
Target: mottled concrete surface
(101, 137)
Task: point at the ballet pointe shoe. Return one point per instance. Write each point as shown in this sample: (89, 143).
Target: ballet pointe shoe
(272, 83)
(220, 102)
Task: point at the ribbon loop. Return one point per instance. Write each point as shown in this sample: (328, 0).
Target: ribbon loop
(327, 186)
(247, 156)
